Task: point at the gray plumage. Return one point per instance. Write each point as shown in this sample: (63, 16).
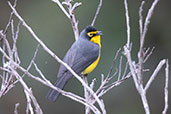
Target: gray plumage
(81, 54)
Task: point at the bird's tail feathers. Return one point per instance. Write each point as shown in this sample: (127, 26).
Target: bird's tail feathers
(53, 94)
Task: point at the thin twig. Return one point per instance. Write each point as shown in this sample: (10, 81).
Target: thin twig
(29, 106)
(28, 68)
(97, 12)
(142, 38)
(131, 66)
(15, 37)
(33, 59)
(92, 83)
(3, 58)
(38, 109)
(146, 51)
(71, 10)
(125, 70)
(39, 71)
(116, 83)
(7, 80)
(147, 19)
(141, 18)
(148, 55)
(104, 89)
(166, 92)
(141, 52)
(120, 68)
(113, 62)
(152, 77)
(10, 18)
(62, 8)
(86, 95)
(127, 23)
(138, 86)
(16, 108)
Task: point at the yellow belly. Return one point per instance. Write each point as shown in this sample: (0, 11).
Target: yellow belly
(91, 67)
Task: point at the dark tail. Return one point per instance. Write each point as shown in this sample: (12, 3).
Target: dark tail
(53, 94)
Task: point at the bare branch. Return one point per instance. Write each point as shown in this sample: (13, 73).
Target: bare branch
(77, 4)
(47, 83)
(125, 70)
(62, 8)
(28, 68)
(38, 109)
(137, 69)
(147, 20)
(166, 92)
(97, 12)
(120, 68)
(104, 89)
(15, 37)
(142, 38)
(70, 14)
(131, 66)
(29, 106)
(86, 95)
(114, 84)
(74, 22)
(144, 100)
(16, 108)
(141, 52)
(152, 77)
(92, 83)
(67, 94)
(113, 63)
(39, 71)
(148, 55)
(33, 59)
(10, 18)
(7, 80)
(141, 18)
(127, 23)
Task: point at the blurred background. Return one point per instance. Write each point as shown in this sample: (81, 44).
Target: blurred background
(54, 29)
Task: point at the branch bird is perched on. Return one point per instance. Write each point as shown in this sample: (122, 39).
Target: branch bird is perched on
(82, 57)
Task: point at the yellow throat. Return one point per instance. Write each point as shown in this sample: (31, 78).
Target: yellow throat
(97, 40)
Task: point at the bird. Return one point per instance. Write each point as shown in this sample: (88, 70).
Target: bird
(83, 56)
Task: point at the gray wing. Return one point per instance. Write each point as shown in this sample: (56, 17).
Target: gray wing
(79, 60)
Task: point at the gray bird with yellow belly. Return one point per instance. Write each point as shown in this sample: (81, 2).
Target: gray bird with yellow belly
(82, 57)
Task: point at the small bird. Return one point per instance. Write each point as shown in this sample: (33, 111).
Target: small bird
(82, 57)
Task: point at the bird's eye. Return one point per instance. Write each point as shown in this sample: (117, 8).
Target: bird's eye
(90, 34)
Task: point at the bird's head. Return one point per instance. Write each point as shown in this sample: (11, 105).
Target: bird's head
(89, 32)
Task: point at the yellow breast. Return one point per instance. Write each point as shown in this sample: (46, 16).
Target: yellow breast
(91, 67)
(95, 39)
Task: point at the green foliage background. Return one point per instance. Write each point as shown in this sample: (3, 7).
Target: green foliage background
(54, 29)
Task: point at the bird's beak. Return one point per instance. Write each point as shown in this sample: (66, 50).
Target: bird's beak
(99, 33)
